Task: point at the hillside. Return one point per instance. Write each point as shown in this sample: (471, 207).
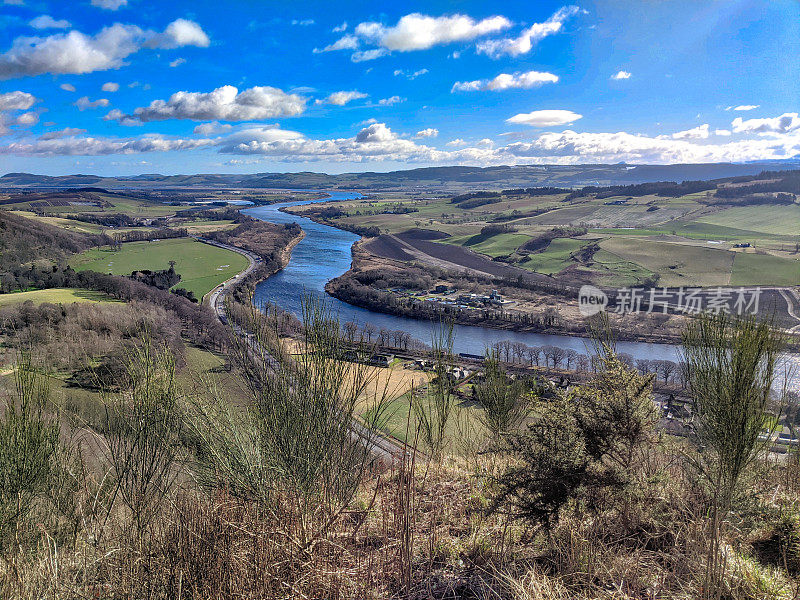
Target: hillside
(25, 240)
(428, 177)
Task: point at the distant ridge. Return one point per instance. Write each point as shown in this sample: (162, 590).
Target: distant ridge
(426, 178)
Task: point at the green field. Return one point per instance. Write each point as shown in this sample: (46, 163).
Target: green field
(555, 258)
(54, 296)
(501, 244)
(202, 267)
(765, 269)
(779, 220)
(678, 264)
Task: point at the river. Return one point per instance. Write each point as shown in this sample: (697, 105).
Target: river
(324, 253)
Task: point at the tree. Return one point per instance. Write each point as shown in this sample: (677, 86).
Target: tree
(505, 402)
(29, 447)
(592, 438)
(730, 367)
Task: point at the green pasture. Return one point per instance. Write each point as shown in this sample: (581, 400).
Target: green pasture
(202, 267)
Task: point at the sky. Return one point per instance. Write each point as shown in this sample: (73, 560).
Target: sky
(121, 87)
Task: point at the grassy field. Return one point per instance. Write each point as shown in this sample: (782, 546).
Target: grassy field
(678, 264)
(780, 220)
(555, 258)
(765, 269)
(496, 245)
(54, 296)
(202, 267)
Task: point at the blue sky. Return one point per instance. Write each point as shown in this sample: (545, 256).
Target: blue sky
(123, 87)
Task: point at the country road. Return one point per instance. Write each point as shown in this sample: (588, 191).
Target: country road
(383, 447)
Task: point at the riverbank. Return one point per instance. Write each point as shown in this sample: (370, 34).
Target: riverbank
(403, 289)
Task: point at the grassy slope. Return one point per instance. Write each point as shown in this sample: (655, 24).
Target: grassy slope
(555, 257)
(781, 220)
(55, 296)
(202, 267)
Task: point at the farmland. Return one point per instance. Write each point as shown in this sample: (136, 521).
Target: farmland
(612, 241)
(202, 267)
(53, 296)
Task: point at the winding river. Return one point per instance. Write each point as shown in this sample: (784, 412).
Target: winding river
(324, 253)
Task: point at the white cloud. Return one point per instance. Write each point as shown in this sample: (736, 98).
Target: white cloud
(342, 98)
(97, 146)
(177, 62)
(742, 107)
(783, 124)
(722, 132)
(84, 103)
(696, 133)
(621, 75)
(427, 133)
(364, 55)
(78, 53)
(110, 86)
(545, 118)
(420, 32)
(303, 22)
(67, 87)
(414, 31)
(391, 100)
(48, 22)
(529, 37)
(505, 81)
(16, 101)
(340, 28)
(456, 143)
(109, 4)
(347, 42)
(66, 132)
(27, 119)
(225, 103)
(212, 128)
(409, 74)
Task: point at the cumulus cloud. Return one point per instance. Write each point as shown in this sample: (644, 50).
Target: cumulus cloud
(67, 87)
(225, 103)
(110, 86)
(109, 4)
(212, 128)
(391, 100)
(722, 132)
(16, 101)
(621, 75)
(48, 22)
(529, 37)
(77, 53)
(177, 62)
(420, 32)
(342, 98)
(545, 118)
(456, 143)
(505, 81)
(84, 103)
(696, 133)
(27, 119)
(414, 31)
(340, 28)
(427, 133)
(66, 132)
(783, 124)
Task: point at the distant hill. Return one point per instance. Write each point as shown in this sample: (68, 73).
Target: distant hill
(427, 178)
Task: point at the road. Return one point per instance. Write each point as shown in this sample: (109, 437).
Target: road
(384, 448)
